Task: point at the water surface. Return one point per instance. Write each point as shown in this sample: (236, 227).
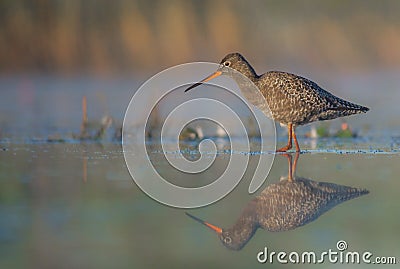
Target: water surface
(75, 205)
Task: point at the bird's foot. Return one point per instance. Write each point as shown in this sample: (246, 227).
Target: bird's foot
(285, 148)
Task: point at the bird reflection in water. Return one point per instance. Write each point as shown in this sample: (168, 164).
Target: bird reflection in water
(283, 206)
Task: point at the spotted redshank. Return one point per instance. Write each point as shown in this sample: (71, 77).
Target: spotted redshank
(293, 100)
(284, 206)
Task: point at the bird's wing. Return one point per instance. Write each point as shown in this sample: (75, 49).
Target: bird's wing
(302, 92)
(309, 93)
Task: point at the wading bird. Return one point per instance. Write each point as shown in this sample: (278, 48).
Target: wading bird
(292, 100)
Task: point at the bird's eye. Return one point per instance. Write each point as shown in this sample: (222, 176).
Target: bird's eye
(227, 63)
(227, 240)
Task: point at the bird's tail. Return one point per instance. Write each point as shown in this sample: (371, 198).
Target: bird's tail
(348, 108)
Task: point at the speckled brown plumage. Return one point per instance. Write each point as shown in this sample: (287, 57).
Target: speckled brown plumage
(293, 100)
(285, 206)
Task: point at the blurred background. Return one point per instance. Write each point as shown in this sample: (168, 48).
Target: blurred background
(54, 52)
(67, 203)
(142, 37)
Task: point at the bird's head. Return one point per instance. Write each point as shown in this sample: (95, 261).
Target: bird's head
(232, 61)
(235, 61)
(229, 238)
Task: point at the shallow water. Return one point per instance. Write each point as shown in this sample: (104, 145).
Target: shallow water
(75, 206)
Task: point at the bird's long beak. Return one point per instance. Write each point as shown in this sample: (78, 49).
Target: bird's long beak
(212, 227)
(210, 77)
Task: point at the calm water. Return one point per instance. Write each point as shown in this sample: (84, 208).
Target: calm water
(76, 206)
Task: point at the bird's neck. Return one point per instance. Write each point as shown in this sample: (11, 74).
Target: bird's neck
(247, 70)
(244, 229)
(244, 74)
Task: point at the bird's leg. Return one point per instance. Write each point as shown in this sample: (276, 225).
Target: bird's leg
(293, 170)
(291, 165)
(289, 160)
(290, 171)
(295, 140)
(289, 143)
